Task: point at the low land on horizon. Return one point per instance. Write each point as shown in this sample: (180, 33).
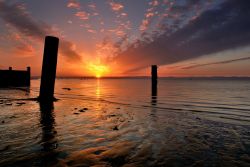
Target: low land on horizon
(148, 77)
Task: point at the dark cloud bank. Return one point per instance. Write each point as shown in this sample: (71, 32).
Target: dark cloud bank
(17, 17)
(224, 27)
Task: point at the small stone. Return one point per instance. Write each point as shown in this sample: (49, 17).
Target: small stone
(66, 89)
(3, 122)
(5, 148)
(98, 152)
(8, 104)
(76, 113)
(75, 108)
(115, 128)
(83, 110)
(20, 103)
(118, 108)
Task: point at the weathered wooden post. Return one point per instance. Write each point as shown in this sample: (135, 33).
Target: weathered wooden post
(154, 78)
(46, 96)
(49, 69)
(28, 76)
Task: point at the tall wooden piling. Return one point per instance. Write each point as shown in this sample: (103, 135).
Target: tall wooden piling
(28, 76)
(154, 79)
(49, 69)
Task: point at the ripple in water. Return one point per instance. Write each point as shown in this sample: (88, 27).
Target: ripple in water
(117, 123)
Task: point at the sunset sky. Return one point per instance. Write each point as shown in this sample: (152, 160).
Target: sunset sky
(124, 37)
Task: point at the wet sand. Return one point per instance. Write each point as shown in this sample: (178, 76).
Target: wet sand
(93, 131)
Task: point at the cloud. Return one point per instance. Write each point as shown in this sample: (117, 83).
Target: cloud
(73, 4)
(149, 15)
(68, 49)
(82, 15)
(87, 17)
(154, 3)
(106, 48)
(216, 63)
(24, 49)
(91, 31)
(120, 32)
(92, 6)
(116, 6)
(220, 28)
(16, 16)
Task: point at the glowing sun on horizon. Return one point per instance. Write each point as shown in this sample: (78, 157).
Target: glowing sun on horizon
(98, 70)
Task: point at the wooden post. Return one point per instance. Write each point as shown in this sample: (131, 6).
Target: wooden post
(28, 76)
(10, 68)
(49, 69)
(154, 78)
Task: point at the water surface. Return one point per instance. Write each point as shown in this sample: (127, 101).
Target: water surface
(117, 122)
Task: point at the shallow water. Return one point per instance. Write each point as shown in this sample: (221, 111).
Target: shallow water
(117, 122)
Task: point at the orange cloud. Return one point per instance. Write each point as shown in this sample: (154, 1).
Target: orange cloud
(91, 31)
(123, 24)
(116, 6)
(148, 16)
(120, 33)
(144, 25)
(82, 15)
(24, 49)
(73, 4)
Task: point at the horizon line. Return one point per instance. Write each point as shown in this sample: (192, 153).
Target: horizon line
(138, 77)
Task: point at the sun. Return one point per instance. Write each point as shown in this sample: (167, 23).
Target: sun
(98, 76)
(97, 69)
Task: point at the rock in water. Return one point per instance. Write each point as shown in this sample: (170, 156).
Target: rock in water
(67, 89)
(115, 128)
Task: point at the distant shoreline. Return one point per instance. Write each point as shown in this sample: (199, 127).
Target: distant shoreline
(148, 77)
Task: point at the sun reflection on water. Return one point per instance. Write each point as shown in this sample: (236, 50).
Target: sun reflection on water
(98, 89)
